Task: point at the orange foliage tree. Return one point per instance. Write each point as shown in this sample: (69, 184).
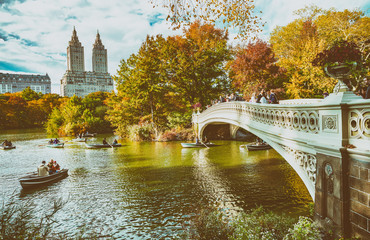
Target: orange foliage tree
(26, 109)
(254, 68)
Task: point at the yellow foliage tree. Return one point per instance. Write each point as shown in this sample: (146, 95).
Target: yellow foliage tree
(297, 44)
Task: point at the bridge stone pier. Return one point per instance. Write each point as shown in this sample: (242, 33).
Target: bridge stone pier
(327, 142)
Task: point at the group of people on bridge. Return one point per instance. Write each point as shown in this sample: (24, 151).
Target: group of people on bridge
(226, 98)
(265, 98)
(261, 97)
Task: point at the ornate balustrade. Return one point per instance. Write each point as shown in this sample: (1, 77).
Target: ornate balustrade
(359, 125)
(323, 119)
(302, 118)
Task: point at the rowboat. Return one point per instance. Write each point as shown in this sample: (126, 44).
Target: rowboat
(256, 146)
(89, 135)
(33, 180)
(80, 140)
(94, 146)
(7, 147)
(56, 145)
(197, 145)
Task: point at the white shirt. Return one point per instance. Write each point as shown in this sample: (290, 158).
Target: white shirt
(264, 100)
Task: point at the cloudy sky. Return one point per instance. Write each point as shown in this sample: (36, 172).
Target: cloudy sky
(34, 34)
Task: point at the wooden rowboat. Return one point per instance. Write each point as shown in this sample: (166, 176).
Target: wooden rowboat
(7, 147)
(95, 146)
(33, 180)
(80, 140)
(56, 145)
(89, 135)
(197, 145)
(255, 146)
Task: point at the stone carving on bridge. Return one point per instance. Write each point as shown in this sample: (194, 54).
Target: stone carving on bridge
(305, 160)
(359, 123)
(307, 121)
(329, 123)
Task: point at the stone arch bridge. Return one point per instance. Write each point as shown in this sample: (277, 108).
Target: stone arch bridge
(327, 142)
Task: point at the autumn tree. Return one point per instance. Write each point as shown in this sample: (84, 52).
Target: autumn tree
(298, 43)
(350, 26)
(26, 109)
(254, 68)
(196, 67)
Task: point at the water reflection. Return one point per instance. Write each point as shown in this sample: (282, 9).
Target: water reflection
(150, 190)
(213, 185)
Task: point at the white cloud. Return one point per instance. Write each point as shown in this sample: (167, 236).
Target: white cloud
(123, 26)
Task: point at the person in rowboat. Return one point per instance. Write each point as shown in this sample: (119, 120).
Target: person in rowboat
(56, 141)
(43, 170)
(6, 143)
(115, 142)
(51, 141)
(56, 167)
(50, 166)
(105, 142)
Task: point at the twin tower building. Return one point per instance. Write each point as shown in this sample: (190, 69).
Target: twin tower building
(77, 81)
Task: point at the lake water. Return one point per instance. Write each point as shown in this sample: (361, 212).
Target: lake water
(150, 190)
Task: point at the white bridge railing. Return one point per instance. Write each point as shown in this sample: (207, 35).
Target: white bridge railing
(343, 124)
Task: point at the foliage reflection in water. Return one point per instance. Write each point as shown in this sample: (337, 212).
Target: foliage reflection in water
(151, 189)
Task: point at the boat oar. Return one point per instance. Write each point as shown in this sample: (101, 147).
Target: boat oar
(204, 144)
(110, 145)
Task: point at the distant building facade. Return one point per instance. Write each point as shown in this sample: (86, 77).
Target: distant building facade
(77, 81)
(13, 82)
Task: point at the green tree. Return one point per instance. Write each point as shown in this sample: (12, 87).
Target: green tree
(28, 94)
(78, 115)
(197, 64)
(54, 123)
(141, 86)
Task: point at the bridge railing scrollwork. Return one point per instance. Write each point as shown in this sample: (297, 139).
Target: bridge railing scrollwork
(359, 125)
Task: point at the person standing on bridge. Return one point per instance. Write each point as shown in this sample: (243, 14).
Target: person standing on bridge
(273, 98)
(253, 98)
(263, 98)
(260, 96)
